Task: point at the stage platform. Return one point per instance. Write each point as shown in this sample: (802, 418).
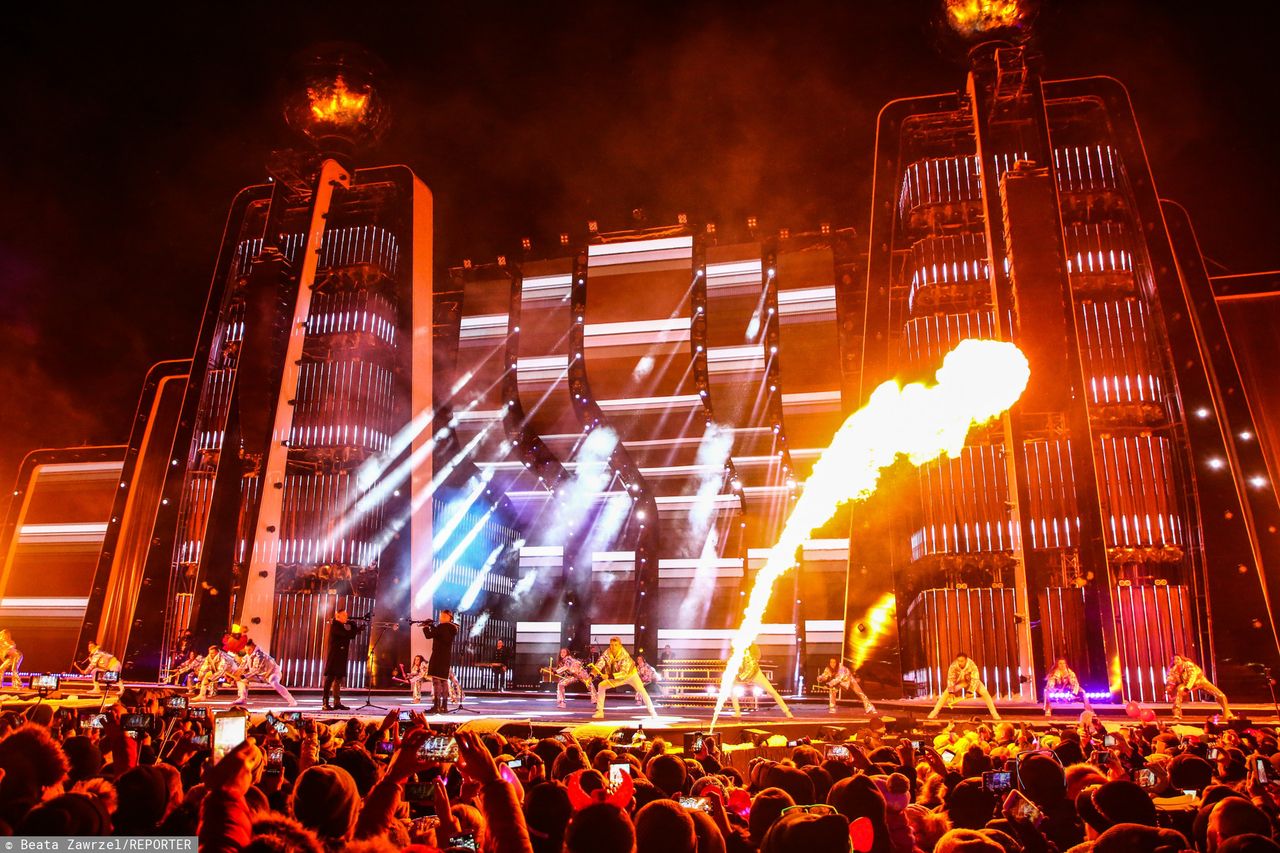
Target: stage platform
(535, 713)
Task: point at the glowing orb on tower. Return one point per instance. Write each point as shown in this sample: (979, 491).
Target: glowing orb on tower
(979, 380)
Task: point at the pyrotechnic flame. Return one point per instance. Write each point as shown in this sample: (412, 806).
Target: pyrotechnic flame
(978, 381)
(877, 620)
(336, 103)
(975, 17)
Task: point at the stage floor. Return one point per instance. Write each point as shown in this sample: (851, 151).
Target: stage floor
(538, 712)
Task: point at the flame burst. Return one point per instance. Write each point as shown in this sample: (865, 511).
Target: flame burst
(337, 104)
(978, 381)
(974, 17)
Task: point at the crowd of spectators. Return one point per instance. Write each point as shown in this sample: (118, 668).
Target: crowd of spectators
(369, 786)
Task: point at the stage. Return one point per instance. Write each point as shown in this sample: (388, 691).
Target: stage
(535, 713)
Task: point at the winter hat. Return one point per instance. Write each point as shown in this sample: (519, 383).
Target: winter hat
(325, 800)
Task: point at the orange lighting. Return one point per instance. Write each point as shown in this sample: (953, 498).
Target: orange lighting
(979, 17)
(335, 103)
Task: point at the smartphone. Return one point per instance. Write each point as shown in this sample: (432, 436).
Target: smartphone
(439, 748)
(424, 823)
(837, 750)
(463, 841)
(1019, 807)
(281, 727)
(1262, 769)
(420, 793)
(385, 747)
(1108, 741)
(1190, 792)
(275, 761)
(789, 743)
(294, 717)
(616, 772)
(229, 731)
(198, 713)
(947, 756)
(700, 804)
(997, 781)
(517, 763)
(916, 745)
(92, 720)
(176, 702)
(111, 676)
(562, 737)
(1100, 758)
(1144, 777)
(137, 722)
(45, 682)
(405, 716)
(1213, 753)
(130, 733)
(200, 740)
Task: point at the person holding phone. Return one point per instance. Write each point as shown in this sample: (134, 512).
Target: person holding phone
(618, 668)
(1182, 677)
(749, 675)
(99, 661)
(10, 658)
(261, 667)
(441, 634)
(1061, 681)
(837, 677)
(341, 632)
(962, 676)
(569, 669)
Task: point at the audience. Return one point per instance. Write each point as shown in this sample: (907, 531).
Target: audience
(351, 786)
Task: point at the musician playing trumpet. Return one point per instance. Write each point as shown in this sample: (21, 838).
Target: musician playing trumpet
(617, 668)
(567, 670)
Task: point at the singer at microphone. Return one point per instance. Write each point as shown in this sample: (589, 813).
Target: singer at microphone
(341, 631)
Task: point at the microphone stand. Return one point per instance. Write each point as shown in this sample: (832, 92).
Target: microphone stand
(368, 677)
(1271, 685)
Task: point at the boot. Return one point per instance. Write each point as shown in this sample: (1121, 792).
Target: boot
(324, 701)
(337, 698)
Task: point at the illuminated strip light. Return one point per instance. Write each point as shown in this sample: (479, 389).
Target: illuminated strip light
(483, 326)
(546, 287)
(739, 359)
(671, 330)
(540, 552)
(640, 251)
(34, 603)
(87, 532)
(811, 402)
(479, 416)
(826, 549)
(684, 503)
(542, 369)
(722, 567)
(667, 471)
(632, 405)
(613, 561)
(1064, 696)
(76, 470)
(739, 275)
(807, 301)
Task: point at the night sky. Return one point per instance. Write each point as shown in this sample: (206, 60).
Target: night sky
(125, 138)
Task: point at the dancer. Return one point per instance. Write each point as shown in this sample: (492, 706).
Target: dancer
(100, 661)
(617, 668)
(749, 675)
(648, 675)
(837, 677)
(963, 675)
(214, 666)
(184, 668)
(416, 674)
(1182, 677)
(261, 667)
(441, 634)
(10, 658)
(569, 669)
(1062, 679)
(341, 631)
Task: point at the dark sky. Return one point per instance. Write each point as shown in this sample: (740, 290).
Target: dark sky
(125, 138)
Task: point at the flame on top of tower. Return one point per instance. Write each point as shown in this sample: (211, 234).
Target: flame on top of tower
(974, 19)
